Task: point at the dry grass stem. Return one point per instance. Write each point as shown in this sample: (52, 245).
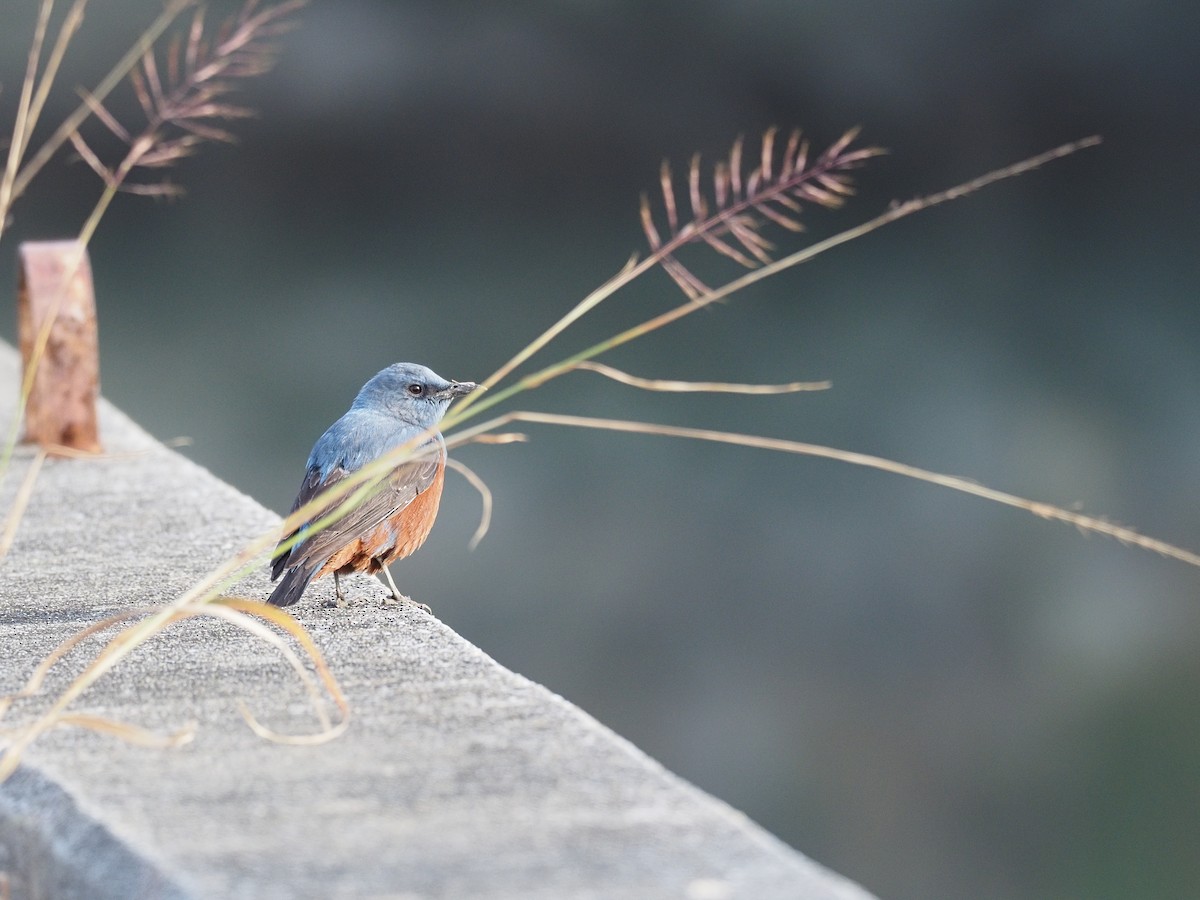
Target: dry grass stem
(294, 740)
(1090, 524)
(485, 498)
(21, 124)
(12, 520)
(130, 734)
(713, 387)
(505, 437)
(631, 270)
(45, 83)
(34, 683)
(245, 614)
(60, 450)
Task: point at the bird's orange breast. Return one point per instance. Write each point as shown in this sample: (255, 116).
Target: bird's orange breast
(394, 538)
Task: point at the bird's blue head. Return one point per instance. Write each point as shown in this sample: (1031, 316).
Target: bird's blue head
(411, 393)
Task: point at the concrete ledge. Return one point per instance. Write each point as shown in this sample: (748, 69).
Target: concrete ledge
(457, 777)
(50, 848)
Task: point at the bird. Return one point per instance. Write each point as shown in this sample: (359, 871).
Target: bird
(402, 403)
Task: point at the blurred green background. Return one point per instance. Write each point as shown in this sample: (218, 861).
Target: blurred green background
(937, 696)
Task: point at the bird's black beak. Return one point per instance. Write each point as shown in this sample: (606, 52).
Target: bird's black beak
(460, 388)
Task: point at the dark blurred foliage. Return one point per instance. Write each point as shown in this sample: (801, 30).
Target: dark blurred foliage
(935, 695)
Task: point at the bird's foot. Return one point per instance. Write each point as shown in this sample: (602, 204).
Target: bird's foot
(339, 601)
(398, 599)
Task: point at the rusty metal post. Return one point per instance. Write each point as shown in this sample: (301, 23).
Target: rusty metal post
(56, 325)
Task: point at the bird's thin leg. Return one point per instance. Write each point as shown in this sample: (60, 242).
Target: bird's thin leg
(398, 597)
(337, 590)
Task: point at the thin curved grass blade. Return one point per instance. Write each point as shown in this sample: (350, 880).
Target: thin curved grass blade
(1085, 523)
(286, 622)
(130, 734)
(38, 677)
(485, 495)
(297, 740)
(712, 387)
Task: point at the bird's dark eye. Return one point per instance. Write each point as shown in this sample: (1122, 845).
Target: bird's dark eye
(415, 389)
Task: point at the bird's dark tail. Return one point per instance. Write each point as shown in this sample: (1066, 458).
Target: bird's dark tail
(291, 587)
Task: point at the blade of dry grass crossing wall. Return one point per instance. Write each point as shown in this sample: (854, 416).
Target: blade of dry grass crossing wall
(456, 777)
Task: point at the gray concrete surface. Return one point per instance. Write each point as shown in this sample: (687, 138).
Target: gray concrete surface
(456, 778)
